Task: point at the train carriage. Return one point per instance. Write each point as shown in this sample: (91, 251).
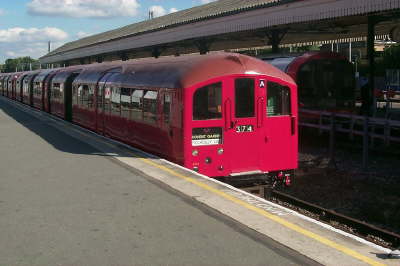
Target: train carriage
(219, 114)
(85, 90)
(19, 88)
(2, 83)
(27, 87)
(40, 89)
(61, 92)
(12, 85)
(326, 80)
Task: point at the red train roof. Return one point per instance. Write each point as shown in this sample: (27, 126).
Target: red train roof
(186, 71)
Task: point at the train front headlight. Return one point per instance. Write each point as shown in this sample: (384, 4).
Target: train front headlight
(220, 151)
(195, 152)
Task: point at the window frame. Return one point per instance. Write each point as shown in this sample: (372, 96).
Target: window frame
(286, 110)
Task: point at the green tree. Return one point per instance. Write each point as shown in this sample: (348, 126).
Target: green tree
(20, 64)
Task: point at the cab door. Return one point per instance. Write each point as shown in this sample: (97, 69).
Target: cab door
(243, 131)
(280, 127)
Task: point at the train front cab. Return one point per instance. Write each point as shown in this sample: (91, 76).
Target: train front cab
(242, 125)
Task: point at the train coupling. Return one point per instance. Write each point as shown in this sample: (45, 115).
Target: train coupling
(282, 178)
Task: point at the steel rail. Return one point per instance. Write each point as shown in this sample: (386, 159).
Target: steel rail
(357, 227)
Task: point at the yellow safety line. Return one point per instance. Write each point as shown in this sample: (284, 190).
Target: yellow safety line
(270, 216)
(260, 211)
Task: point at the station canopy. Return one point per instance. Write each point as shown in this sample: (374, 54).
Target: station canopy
(233, 24)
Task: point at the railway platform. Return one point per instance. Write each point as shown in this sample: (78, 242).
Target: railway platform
(71, 197)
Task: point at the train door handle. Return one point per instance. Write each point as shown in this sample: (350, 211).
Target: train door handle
(260, 112)
(228, 115)
(293, 125)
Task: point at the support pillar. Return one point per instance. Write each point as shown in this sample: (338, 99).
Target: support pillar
(203, 45)
(156, 52)
(123, 56)
(368, 97)
(99, 59)
(275, 37)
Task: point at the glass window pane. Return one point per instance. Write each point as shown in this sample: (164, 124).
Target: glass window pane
(278, 99)
(116, 101)
(207, 102)
(167, 107)
(107, 100)
(150, 112)
(136, 104)
(244, 97)
(125, 102)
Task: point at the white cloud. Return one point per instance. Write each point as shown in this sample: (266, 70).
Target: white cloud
(158, 11)
(207, 1)
(16, 42)
(84, 8)
(32, 35)
(82, 34)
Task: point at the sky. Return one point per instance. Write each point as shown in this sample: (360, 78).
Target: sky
(26, 26)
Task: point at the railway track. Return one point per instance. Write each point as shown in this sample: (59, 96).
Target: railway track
(370, 232)
(362, 229)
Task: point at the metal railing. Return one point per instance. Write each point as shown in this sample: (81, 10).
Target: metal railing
(369, 128)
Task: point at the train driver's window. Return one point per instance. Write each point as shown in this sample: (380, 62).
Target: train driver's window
(244, 97)
(278, 99)
(207, 102)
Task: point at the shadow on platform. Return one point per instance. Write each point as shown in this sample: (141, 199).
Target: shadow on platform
(54, 136)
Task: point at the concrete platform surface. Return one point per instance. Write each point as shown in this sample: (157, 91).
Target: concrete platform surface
(71, 197)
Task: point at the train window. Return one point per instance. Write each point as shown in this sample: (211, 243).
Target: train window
(167, 108)
(56, 92)
(100, 97)
(207, 102)
(137, 104)
(150, 109)
(107, 98)
(278, 99)
(86, 96)
(36, 89)
(26, 88)
(125, 102)
(116, 101)
(75, 95)
(244, 97)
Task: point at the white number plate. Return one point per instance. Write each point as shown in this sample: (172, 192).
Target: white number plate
(244, 128)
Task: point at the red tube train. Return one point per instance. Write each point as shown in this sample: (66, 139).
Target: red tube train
(220, 114)
(325, 80)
